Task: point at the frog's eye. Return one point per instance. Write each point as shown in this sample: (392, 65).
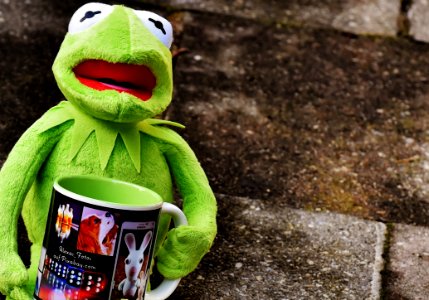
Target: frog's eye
(159, 26)
(88, 15)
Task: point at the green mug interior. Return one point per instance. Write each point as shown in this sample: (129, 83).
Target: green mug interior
(111, 191)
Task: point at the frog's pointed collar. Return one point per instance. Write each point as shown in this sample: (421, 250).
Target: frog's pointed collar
(106, 132)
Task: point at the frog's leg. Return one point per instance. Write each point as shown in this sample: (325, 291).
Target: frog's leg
(38, 196)
(36, 248)
(32, 273)
(16, 177)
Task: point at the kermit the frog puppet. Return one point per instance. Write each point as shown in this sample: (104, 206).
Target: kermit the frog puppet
(115, 69)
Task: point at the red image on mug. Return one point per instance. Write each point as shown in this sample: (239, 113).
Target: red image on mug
(97, 232)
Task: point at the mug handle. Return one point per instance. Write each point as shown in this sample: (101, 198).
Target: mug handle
(167, 287)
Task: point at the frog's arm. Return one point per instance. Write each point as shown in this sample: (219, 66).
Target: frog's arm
(16, 177)
(185, 246)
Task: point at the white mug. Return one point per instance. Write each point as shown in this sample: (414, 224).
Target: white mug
(99, 241)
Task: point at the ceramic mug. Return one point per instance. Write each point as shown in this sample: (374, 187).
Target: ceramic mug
(99, 241)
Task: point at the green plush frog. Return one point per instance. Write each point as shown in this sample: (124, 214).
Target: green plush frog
(115, 69)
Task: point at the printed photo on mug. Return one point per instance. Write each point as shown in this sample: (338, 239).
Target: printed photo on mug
(98, 231)
(132, 265)
(76, 270)
(67, 222)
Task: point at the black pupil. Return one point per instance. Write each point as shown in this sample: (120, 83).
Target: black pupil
(127, 261)
(90, 14)
(158, 24)
(141, 260)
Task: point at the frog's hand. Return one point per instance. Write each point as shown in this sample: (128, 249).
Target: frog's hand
(16, 177)
(185, 246)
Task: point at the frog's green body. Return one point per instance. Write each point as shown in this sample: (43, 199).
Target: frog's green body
(119, 166)
(106, 133)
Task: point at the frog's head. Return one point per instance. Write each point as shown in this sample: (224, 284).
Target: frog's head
(115, 63)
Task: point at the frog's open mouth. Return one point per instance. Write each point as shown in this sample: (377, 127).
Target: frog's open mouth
(137, 80)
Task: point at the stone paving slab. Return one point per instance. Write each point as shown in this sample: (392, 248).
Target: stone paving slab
(268, 252)
(19, 17)
(377, 17)
(418, 16)
(319, 119)
(408, 268)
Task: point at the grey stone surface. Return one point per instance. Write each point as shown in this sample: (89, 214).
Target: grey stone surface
(418, 16)
(376, 17)
(315, 118)
(369, 17)
(408, 269)
(265, 251)
(19, 17)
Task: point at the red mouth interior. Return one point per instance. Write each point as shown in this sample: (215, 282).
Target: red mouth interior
(100, 75)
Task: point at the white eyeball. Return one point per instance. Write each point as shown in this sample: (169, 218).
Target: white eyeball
(159, 26)
(88, 15)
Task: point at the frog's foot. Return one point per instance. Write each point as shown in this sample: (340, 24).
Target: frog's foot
(19, 293)
(137, 80)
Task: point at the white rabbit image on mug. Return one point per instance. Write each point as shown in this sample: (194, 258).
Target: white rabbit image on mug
(133, 264)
